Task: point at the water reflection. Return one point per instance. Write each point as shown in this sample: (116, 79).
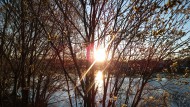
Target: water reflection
(99, 79)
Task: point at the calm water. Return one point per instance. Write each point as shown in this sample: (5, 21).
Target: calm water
(178, 90)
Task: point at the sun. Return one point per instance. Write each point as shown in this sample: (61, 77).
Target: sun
(100, 55)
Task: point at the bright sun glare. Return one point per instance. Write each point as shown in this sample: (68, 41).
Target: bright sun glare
(99, 78)
(100, 55)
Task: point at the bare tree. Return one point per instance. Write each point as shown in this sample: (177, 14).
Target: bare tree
(50, 42)
(145, 32)
(27, 77)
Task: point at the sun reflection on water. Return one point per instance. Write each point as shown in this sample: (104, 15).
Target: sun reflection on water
(99, 79)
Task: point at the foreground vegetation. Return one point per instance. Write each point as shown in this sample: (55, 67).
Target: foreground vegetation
(48, 45)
